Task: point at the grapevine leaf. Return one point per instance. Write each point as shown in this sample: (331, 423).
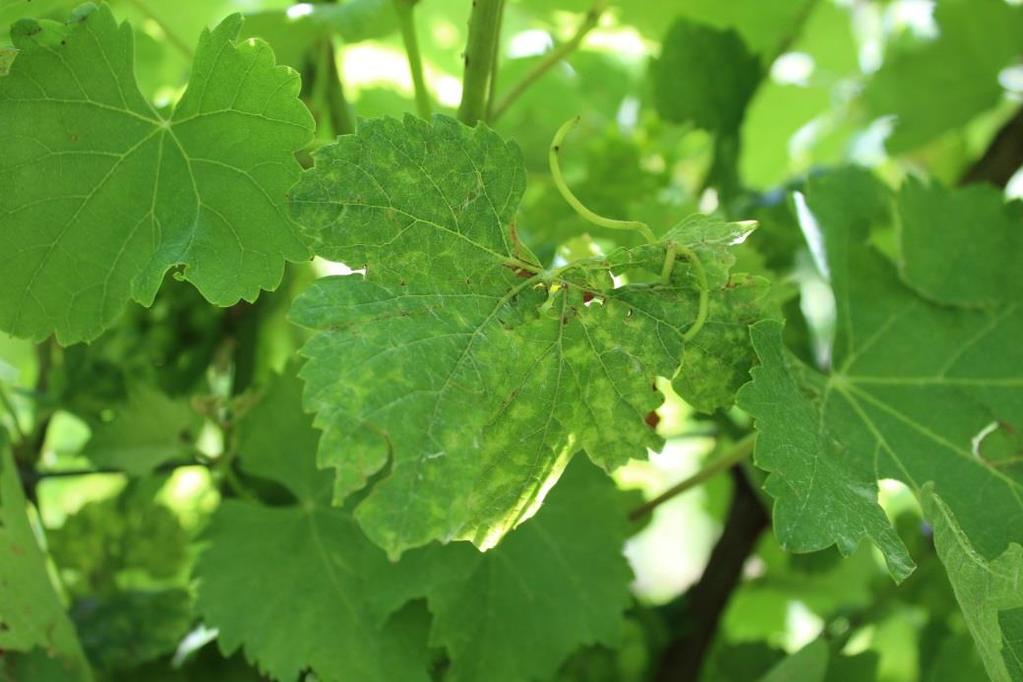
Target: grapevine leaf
(31, 615)
(809, 664)
(540, 605)
(981, 237)
(815, 663)
(7, 55)
(125, 629)
(149, 430)
(989, 592)
(457, 358)
(291, 36)
(762, 25)
(308, 553)
(103, 194)
(107, 540)
(705, 76)
(919, 392)
(976, 40)
(515, 612)
(717, 362)
(810, 473)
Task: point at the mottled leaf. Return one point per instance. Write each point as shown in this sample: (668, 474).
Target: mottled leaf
(558, 582)
(458, 359)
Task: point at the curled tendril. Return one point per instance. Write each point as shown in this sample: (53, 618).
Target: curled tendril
(672, 251)
(573, 201)
(701, 281)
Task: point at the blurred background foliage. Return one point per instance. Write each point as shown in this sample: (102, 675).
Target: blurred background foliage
(687, 105)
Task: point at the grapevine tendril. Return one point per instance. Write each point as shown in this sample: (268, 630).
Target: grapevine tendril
(573, 201)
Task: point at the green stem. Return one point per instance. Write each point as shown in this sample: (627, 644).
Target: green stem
(495, 66)
(333, 91)
(407, 24)
(172, 37)
(669, 264)
(550, 59)
(236, 485)
(701, 280)
(479, 56)
(739, 452)
(573, 201)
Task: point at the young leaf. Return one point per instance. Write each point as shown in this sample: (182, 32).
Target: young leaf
(458, 358)
(914, 391)
(31, 615)
(990, 592)
(103, 194)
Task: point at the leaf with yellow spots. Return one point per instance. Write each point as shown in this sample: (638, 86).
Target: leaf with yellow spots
(513, 613)
(459, 366)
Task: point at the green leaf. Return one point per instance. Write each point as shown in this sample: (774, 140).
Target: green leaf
(821, 496)
(944, 83)
(816, 663)
(915, 388)
(989, 591)
(7, 55)
(792, 126)
(293, 34)
(763, 25)
(705, 76)
(458, 358)
(104, 195)
(809, 664)
(558, 582)
(717, 361)
(147, 431)
(118, 540)
(981, 238)
(540, 605)
(125, 629)
(31, 615)
(309, 553)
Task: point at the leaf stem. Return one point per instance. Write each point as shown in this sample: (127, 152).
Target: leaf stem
(550, 59)
(405, 10)
(495, 66)
(479, 57)
(9, 406)
(172, 37)
(573, 201)
(338, 109)
(739, 452)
